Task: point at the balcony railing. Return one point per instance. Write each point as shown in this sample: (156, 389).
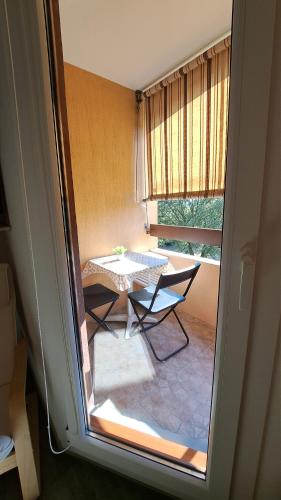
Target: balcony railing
(183, 233)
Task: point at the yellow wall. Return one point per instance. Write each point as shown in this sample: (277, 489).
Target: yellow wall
(202, 300)
(102, 120)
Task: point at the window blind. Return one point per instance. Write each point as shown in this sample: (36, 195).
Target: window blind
(185, 119)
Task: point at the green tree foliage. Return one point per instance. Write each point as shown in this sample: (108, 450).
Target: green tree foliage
(192, 212)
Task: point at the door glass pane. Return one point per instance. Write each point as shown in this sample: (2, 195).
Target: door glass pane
(148, 343)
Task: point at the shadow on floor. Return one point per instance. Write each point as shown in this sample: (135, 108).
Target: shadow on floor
(64, 477)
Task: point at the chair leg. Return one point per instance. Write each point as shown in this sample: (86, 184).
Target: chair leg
(101, 322)
(145, 329)
(181, 325)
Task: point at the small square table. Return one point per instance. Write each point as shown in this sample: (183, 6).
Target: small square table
(141, 267)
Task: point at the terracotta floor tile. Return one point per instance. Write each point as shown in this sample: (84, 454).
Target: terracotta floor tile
(174, 396)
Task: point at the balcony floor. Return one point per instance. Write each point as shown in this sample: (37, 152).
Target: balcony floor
(171, 399)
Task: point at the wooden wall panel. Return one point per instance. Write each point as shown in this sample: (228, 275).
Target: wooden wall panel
(102, 120)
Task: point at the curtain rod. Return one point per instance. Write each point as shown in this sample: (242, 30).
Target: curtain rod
(186, 61)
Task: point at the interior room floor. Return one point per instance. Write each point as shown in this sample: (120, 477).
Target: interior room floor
(171, 399)
(64, 477)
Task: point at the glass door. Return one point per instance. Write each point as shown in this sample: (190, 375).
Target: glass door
(124, 386)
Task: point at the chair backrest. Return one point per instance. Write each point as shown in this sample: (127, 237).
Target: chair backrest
(175, 278)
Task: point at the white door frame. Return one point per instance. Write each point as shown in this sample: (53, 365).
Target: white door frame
(26, 64)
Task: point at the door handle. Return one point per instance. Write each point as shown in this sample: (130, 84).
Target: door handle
(246, 278)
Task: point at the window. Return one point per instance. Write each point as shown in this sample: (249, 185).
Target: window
(192, 212)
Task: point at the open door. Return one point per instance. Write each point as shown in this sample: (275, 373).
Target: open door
(236, 282)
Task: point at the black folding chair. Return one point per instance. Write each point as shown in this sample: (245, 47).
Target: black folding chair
(95, 296)
(155, 299)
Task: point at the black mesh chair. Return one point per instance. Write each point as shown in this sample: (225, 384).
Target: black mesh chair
(155, 299)
(95, 296)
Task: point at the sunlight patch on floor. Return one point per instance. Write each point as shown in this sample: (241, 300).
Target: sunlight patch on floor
(109, 411)
(121, 363)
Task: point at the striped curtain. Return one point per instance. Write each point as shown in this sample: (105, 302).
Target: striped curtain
(186, 128)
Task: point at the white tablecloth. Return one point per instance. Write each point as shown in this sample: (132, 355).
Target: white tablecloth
(144, 267)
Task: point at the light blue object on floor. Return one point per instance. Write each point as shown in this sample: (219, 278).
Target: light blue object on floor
(6, 446)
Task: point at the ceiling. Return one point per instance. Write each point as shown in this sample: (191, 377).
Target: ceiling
(135, 42)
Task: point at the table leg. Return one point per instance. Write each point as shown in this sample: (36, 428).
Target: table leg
(129, 318)
(132, 318)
